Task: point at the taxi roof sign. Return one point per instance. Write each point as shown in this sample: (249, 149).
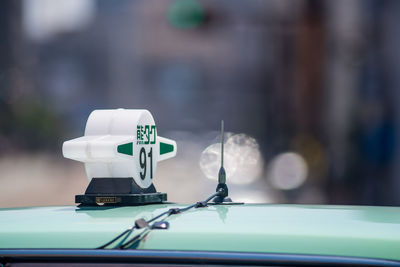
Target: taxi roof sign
(120, 143)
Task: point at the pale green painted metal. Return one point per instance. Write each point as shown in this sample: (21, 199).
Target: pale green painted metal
(359, 231)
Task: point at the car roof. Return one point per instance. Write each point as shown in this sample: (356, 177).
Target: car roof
(356, 231)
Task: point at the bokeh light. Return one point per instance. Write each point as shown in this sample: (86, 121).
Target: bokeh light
(253, 196)
(287, 171)
(242, 160)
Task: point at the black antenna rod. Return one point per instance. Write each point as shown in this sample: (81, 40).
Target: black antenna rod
(222, 188)
(222, 174)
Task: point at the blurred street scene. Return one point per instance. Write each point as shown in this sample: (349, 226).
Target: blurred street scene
(307, 90)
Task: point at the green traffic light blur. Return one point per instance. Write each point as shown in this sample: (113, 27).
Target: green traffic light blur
(186, 14)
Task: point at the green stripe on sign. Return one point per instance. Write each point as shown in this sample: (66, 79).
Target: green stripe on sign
(126, 149)
(166, 148)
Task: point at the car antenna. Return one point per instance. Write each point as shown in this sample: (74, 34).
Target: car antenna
(223, 197)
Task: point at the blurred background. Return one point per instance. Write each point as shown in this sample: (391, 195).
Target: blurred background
(309, 91)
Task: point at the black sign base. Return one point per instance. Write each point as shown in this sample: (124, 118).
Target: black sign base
(122, 199)
(118, 191)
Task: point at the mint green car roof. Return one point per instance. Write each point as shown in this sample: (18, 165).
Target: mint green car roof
(358, 231)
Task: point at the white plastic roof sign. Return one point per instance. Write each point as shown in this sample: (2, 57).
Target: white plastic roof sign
(120, 143)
